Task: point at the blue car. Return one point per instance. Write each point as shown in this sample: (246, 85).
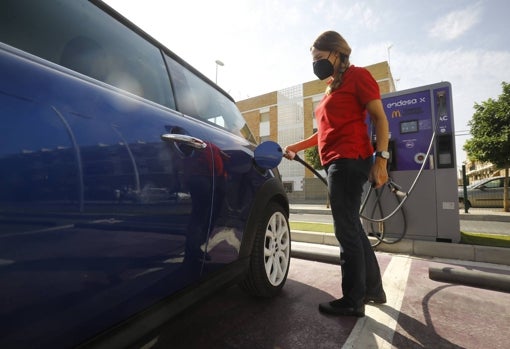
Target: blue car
(130, 184)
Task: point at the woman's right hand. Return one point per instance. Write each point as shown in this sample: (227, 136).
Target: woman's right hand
(288, 153)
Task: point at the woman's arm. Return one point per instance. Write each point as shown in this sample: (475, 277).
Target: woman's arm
(291, 150)
(379, 174)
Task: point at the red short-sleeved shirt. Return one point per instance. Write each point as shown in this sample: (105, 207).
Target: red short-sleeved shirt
(341, 115)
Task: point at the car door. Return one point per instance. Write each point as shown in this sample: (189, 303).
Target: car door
(235, 179)
(493, 193)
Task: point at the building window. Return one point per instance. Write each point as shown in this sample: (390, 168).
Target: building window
(314, 120)
(265, 129)
(288, 186)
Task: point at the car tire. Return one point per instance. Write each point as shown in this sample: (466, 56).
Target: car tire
(461, 203)
(270, 257)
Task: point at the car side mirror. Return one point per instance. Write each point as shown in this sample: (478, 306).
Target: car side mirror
(268, 155)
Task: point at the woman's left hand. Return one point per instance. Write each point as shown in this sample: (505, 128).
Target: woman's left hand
(378, 175)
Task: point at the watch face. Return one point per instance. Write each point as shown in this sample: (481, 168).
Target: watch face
(384, 154)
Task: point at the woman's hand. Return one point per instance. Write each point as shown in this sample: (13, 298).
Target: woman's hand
(288, 153)
(378, 175)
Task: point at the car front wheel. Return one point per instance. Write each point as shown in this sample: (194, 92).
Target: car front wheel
(462, 204)
(270, 258)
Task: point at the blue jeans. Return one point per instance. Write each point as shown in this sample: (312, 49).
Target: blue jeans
(361, 275)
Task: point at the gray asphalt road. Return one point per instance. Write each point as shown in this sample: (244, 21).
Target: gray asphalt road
(489, 227)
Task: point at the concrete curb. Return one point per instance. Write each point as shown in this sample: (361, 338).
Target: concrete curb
(475, 253)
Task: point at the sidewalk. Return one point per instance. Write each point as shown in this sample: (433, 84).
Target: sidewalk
(485, 214)
(464, 252)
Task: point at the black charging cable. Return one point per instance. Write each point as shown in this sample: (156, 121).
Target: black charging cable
(394, 188)
(308, 166)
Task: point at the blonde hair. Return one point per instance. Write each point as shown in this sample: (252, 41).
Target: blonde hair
(333, 42)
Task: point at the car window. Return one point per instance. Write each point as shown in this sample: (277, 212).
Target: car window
(87, 40)
(195, 97)
(495, 183)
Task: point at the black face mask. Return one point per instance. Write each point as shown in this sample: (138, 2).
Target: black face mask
(323, 68)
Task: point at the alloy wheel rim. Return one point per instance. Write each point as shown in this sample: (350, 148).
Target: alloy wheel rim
(276, 249)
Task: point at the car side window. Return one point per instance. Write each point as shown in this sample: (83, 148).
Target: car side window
(195, 97)
(496, 183)
(89, 41)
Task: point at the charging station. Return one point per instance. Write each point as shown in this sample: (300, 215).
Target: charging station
(422, 144)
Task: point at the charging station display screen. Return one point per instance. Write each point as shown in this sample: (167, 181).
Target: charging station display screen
(409, 126)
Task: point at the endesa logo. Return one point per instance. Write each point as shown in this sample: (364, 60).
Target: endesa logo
(406, 102)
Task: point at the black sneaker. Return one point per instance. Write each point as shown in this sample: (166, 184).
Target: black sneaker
(379, 299)
(341, 307)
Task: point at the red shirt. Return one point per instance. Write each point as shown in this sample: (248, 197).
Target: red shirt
(341, 115)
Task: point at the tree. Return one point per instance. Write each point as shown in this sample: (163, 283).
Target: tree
(490, 128)
(312, 157)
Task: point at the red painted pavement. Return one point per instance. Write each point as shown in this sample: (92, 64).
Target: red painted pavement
(432, 315)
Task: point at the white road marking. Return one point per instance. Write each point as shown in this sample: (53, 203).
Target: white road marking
(377, 328)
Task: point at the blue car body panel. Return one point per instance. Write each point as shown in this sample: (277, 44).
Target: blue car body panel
(128, 187)
(95, 220)
(100, 218)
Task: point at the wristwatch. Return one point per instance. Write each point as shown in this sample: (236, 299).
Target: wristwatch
(383, 154)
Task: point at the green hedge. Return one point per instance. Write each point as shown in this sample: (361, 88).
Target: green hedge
(484, 239)
(481, 239)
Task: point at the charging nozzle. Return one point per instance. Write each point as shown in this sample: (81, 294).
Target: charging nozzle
(395, 188)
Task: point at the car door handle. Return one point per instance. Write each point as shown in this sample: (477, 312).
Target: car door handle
(193, 142)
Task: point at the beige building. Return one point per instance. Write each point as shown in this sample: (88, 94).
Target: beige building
(476, 170)
(287, 116)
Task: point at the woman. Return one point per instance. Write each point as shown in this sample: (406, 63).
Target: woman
(347, 154)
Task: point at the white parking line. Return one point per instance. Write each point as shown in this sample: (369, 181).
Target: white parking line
(377, 328)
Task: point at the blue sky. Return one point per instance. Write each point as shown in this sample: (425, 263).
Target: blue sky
(264, 44)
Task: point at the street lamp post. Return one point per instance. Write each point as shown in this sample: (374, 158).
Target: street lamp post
(218, 64)
(389, 48)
